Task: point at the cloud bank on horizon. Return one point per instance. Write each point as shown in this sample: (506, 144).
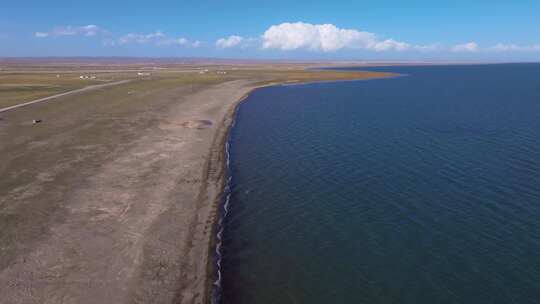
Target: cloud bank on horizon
(157, 38)
(466, 47)
(87, 30)
(287, 36)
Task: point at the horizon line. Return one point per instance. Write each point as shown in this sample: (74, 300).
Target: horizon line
(255, 60)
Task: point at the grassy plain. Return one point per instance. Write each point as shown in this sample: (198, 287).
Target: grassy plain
(20, 87)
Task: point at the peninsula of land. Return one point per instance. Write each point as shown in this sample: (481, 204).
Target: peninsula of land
(110, 194)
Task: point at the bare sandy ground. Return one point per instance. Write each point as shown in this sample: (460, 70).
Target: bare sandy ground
(134, 223)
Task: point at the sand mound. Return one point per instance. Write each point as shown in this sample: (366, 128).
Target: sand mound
(191, 124)
(197, 124)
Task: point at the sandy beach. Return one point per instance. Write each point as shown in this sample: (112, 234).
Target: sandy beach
(113, 198)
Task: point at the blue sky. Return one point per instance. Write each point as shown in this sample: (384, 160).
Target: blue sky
(416, 29)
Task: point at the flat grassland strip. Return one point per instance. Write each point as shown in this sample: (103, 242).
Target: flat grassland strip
(17, 88)
(76, 91)
(112, 199)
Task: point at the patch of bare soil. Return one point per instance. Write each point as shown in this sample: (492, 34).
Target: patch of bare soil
(197, 124)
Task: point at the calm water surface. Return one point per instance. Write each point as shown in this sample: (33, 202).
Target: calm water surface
(416, 189)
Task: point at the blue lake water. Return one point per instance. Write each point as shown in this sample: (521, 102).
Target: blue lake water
(417, 189)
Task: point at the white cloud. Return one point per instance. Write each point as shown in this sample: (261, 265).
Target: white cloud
(515, 48)
(229, 42)
(41, 34)
(466, 47)
(90, 30)
(158, 38)
(179, 41)
(86, 30)
(328, 38)
(286, 37)
(196, 43)
(505, 47)
(324, 37)
(389, 44)
(429, 48)
(141, 38)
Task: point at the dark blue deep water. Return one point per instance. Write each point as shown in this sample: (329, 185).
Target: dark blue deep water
(418, 189)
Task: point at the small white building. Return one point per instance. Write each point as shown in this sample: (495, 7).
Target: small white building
(143, 74)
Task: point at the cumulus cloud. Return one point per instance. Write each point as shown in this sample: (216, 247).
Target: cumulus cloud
(323, 37)
(328, 38)
(229, 42)
(157, 38)
(86, 30)
(466, 47)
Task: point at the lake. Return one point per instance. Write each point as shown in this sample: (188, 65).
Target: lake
(424, 188)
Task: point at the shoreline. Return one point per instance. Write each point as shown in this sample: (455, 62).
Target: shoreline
(221, 142)
(130, 199)
(213, 271)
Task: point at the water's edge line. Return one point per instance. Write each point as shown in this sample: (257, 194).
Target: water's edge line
(221, 204)
(219, 226)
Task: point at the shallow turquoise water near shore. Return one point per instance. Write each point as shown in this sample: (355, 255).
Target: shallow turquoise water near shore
(417, 189)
